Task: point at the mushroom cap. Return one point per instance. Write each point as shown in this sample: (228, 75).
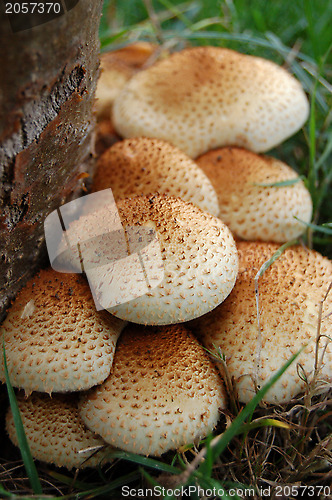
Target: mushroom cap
(134, 55)
(251, 210)
(55, 339)
(163, 392)
(113, 77)
(290, 292)
(143, 165)
(187, 270)
(207, 97)
(117, 67)
(55, 431)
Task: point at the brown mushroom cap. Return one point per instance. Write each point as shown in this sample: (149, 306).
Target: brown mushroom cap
(55, 339)
(113, 77)
(251, 210)
(55, 432)
(190, 270)
(143, 165)
(290, 292)
(207, 97)
(163, 392)
(135, 55)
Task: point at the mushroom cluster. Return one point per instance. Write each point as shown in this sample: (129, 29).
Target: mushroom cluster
(147, 384)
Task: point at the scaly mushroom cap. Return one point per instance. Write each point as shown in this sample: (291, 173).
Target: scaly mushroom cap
(55, 340)
(114, 75)
(55, 432)
(163, 392)
(290, 292)
(190, 270)
(251, 210)
(142, 166)
(206, 97)
(117, 67)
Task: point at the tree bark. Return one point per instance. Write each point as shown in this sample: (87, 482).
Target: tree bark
(47, 85)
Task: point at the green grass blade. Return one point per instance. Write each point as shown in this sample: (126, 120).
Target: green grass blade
(264, 422)
(322, 241)
(68, 481)
(326, 153)
(108, 40)
(325, 228)
(149, 478)
(308, 10)
(105, 489)
(208, 460)
(274, 257)
(5, 493)
(289, 182)
(145, 462)
(28, 461)
(312, 175)
(176, 12)
(243, 38)
(205, 23)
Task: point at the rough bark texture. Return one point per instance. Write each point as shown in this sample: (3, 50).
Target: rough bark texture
(47, 84)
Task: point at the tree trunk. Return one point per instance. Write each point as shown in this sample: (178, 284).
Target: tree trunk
(47, 85)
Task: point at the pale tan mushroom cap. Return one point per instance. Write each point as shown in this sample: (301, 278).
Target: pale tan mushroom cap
(117, 67)
(207, 97)
(290, 292)
(55, 339)
(143, 165)
(55, 431)
(190, 270)
(252, 211)
(163, 392)
(113, 78)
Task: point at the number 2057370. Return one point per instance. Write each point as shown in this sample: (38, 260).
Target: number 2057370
(303, 491)
(33, 8)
